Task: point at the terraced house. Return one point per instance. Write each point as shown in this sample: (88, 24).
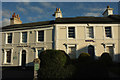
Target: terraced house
(22, 43)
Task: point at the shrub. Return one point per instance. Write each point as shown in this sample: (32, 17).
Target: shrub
(84, 57)
(53, 57)
(106, 59)
(53, 64)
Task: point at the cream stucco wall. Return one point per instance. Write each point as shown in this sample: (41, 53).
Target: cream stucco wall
(80, 37)
(30, 47)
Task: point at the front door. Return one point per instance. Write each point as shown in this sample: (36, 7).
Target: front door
(91, 51)
(23, 58)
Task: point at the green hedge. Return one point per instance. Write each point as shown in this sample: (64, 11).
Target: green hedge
(106, 59)
(84, 57)
(54, 65)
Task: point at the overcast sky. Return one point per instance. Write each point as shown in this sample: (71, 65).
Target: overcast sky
(42, 11)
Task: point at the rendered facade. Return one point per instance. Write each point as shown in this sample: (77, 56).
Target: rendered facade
(22, 43)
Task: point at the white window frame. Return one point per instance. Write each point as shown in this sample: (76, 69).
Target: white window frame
(37, 36)
(108, 45)
(111, 33)
(6, 38)
(5, 56)
(71, 45)
(93, 32)
(68, 32)
(36, 55)
(27, 37)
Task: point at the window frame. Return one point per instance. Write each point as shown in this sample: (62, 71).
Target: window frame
(42, 36)
(8, 58)
(74, 32)
(87, 37)
(110, 32)
(5, 56)
(39, 48)
(7, 38)
(72, 45)
(22, 37)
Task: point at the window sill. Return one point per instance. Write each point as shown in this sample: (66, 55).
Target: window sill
(7, 63)
(108, 38)
(9, 43)
(89, 38)
(40, 41)
(71, 38)
(23, 43)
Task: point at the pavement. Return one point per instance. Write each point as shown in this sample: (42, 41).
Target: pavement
(16, 73)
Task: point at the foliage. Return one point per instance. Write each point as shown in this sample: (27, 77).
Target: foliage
(84, 57)
(54, 65)
(106, 59)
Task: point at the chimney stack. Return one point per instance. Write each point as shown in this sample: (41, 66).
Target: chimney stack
(108, 11)
(58, 13)
(15, 19)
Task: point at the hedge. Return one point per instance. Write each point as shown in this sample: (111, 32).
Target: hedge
(54, 65)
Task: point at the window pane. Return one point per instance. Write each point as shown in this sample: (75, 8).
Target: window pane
(9, 37)
(71, 32)
(24, 36)
(90, 32)
(40, 50)
(40, 35)
(108, 32)
(8, 56)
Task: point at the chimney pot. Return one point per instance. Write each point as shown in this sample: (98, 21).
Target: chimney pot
(108, 11)
(15, 19)
(58, 13)
(108, 6)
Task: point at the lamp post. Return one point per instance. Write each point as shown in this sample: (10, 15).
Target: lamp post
(36, 67)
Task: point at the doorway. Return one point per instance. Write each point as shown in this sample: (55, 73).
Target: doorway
(23, 58)
(91, 51)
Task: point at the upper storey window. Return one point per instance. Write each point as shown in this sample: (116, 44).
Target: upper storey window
(108, 32)
(41, 35)
(9, 38)
(71, 32)
(90, 32)
(24, 37)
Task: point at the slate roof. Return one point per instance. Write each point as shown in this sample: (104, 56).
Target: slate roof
(112, 19)
(109, 19)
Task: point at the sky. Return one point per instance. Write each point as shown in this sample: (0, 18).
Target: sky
(42, 11)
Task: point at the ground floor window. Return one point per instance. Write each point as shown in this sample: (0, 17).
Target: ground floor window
(110, 50)
(39, 51)
(72, 51)
(9, 56)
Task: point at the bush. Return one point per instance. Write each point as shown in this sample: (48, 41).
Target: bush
(53, 63)
(53, 57)
(84, 57)
(106, 59)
